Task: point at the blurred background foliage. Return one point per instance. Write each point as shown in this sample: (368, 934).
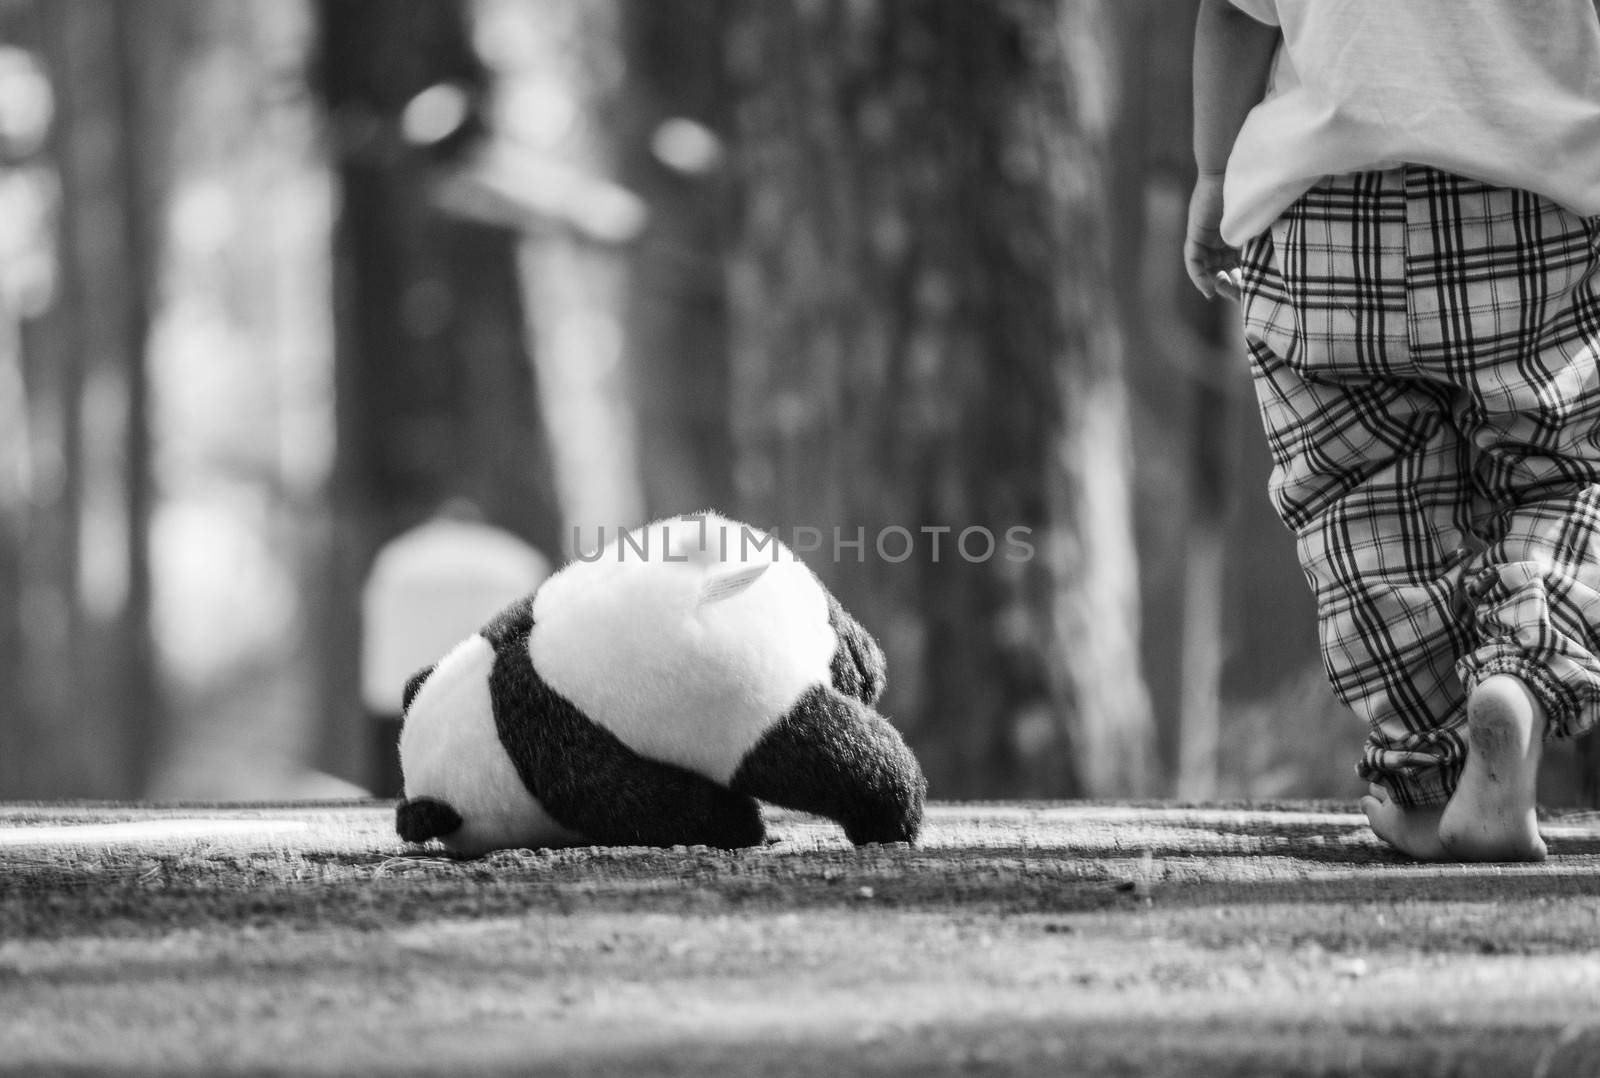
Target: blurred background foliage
(280, 278)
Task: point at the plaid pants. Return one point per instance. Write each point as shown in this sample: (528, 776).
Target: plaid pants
(1424, 351)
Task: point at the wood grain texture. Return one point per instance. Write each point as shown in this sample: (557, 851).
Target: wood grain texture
(1017, 938)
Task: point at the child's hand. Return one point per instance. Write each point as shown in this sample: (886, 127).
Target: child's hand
(1213, 265)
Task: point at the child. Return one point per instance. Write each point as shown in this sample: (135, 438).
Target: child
(1408, 219)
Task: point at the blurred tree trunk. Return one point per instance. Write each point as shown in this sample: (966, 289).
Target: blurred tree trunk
(673, 113)
(1588, 752)
(434, 385)
(89, 653)
(17, 720)
(1203, 647)
(925, 335)
(1186, 373)
(22, 225)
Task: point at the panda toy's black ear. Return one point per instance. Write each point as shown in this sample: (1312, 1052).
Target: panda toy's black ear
(858, 667)
(413, 686)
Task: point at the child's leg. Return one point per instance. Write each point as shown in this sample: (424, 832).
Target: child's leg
(1520, 335)
(1369, 475)
(1384, 561)
(1491, 815)
(1534, 673)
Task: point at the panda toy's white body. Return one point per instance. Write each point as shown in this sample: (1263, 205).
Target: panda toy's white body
(650, 694)
(693, 683)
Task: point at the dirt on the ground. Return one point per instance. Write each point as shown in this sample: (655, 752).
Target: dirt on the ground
(1014, 939)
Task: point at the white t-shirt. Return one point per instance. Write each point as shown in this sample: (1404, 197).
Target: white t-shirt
(1504, 91)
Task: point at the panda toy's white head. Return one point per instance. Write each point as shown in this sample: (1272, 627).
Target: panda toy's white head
(649, 693)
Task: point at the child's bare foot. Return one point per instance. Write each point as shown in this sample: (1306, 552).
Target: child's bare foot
(1413, 830)
(1491, 815)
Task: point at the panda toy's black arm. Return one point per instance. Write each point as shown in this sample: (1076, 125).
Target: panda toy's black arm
(832, 755)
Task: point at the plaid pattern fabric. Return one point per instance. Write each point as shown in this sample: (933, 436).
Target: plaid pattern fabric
(1424, 350)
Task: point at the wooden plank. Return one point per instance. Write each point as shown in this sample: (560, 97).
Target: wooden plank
(1017, 937)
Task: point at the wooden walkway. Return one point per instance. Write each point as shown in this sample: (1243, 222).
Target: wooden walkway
(1016, 939)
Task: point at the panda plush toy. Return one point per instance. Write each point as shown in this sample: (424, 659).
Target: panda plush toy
(650, 695)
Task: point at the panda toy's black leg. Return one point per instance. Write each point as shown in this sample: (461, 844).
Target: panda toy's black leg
(835, 756)
(633, 801)
(858, 667)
